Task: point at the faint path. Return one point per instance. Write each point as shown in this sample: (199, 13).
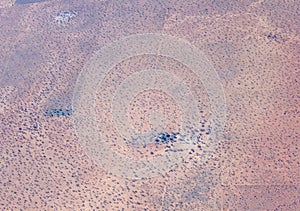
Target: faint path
(29, 1)
(6, 94)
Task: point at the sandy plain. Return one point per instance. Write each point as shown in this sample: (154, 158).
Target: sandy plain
(253, 46)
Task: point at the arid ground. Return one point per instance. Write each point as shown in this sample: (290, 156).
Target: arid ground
(49, 162)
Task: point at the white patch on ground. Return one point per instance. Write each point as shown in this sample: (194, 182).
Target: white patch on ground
(6, 3)
(64, 18)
